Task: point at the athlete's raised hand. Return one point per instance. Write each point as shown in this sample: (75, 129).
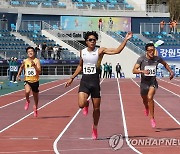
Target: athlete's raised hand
(68, 83)
(128, 35)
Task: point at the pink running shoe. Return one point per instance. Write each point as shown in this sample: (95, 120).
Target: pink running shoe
(85, 109)
(146, 112)
(35, 111)
(94, 133)
(26, 105)
(153, 123)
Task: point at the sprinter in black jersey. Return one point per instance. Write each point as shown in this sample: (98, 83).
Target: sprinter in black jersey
(146, 66)
(90, 61)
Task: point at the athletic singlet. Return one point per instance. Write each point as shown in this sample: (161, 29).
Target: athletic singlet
(91, 64)
(150, 65)
(31, 75)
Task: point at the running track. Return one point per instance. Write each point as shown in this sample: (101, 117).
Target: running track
(61, 127)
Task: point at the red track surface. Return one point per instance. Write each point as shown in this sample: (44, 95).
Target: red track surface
(20, 132)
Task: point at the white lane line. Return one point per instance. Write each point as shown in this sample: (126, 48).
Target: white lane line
(176, 79)
(124, 121)
(38, 109)
(65, 129)
(170, 91)
(38, 151)
(23, 89)
(169, 82)
(30, 96)
(162, 108)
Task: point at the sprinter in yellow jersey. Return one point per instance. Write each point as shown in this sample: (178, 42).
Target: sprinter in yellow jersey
(32, 69)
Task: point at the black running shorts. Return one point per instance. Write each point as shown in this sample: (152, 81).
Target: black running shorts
(34, 86)
(90, 88)
(144, 87)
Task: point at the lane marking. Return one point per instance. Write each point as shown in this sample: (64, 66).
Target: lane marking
(176, 79)
(124, 120)
(65, 129)
(24, 138)
(18, 152)
(162, 107)
(38, 109)
(31, 96)
(23, 88)
(169, 82)
(170, 91)
(85, 138)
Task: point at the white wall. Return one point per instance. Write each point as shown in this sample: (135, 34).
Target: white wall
(138, 4)
(126, 58)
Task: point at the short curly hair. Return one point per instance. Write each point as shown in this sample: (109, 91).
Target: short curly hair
(30, 48)
(94, 33)
(149, 45)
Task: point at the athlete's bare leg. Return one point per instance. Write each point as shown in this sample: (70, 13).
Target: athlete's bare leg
(27, 92)
(150, 97)
(36, 98)
(145, 101)
(82, 99)
(96, 111)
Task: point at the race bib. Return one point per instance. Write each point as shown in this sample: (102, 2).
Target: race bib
(30, 72)
(151, 69)
(89, 69)
(13, 68)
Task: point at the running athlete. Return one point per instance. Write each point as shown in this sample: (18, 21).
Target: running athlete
(90, 61)
(146, 66)
(32, 69)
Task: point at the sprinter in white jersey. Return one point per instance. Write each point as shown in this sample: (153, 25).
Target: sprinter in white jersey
(90, 61)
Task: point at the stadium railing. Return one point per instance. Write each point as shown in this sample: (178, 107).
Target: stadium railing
(155, 27)
(130, 45)
(65, 38)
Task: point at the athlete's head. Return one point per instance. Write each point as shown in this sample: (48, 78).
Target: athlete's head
(150, 50)
(30, 52)
(91, 38)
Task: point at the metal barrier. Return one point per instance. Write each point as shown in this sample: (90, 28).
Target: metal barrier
(130, 45)
(75, 5)
(155, 27)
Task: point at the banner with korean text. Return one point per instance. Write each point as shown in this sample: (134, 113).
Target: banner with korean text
(170, 53)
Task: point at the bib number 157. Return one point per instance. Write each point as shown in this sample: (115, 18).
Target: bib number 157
(89, 69)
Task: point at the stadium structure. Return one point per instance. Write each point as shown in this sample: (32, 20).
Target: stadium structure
(63, 23)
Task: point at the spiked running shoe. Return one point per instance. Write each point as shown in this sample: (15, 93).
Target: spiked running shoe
(94, 133)
(26, 105)
(153, 123)
(35, 111)
(85, 109)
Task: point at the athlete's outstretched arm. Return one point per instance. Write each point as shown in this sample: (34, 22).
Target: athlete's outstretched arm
(171, 75)
(112, 51)
(20, 70)
(77, 71)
